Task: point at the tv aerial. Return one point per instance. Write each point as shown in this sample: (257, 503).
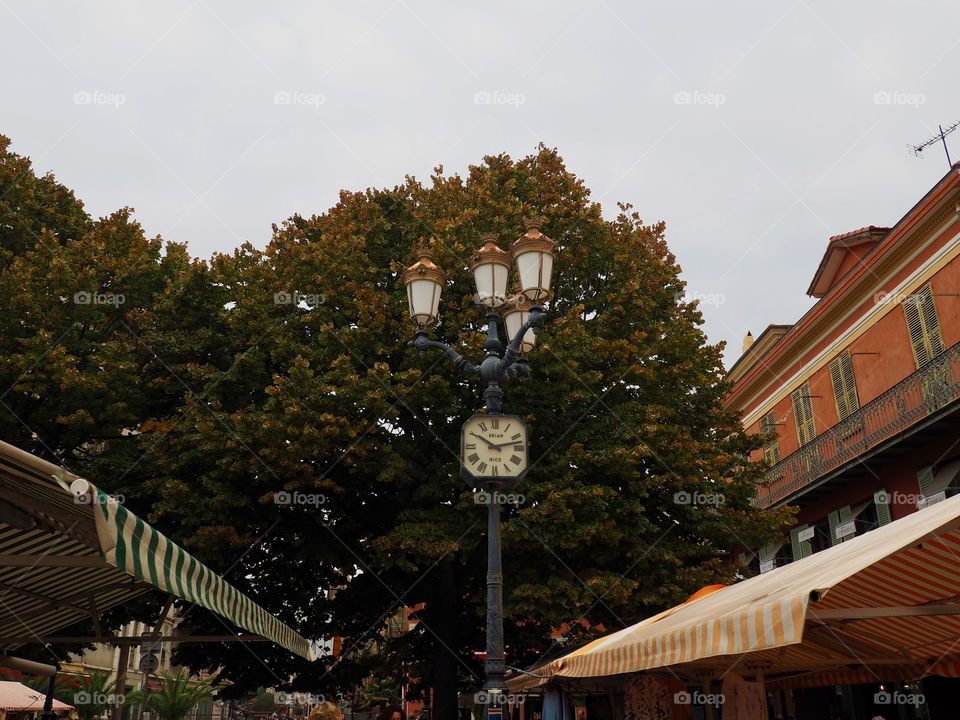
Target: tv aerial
(917, 150)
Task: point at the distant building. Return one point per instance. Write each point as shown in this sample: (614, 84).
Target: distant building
(861, 396)
(107, 658)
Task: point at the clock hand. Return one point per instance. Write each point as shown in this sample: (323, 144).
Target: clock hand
(496, 447)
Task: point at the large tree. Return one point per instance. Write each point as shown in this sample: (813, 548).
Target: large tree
(208, 394)
(324, 397)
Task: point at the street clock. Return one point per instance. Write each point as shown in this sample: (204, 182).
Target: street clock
(494, 449)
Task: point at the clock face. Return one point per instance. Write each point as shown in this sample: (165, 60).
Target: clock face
(494, 447)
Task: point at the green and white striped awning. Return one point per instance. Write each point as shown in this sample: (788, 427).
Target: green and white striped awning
(68, 551)
(133, 546)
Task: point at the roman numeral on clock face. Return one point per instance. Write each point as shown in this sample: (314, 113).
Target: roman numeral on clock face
(474, 458)
(482, 467)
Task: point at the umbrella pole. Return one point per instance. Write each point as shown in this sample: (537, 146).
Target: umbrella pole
(708, 709)
(48, 713)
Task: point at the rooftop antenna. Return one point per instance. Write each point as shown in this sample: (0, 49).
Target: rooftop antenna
(917, 150)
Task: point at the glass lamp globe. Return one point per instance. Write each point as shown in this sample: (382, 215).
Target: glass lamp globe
(490, 266)
(533, 254)
(424, 281)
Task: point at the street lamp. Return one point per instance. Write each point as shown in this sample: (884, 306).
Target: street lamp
(424, 282)
(494, 448)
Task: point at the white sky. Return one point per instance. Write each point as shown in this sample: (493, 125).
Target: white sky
(784, 141)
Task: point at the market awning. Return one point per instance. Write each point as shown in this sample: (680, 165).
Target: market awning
(68, 551)
(15, 696)
(885, 604)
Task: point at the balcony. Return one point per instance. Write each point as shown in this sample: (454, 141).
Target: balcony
(918, 397)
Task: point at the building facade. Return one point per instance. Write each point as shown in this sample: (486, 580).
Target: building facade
(859, 400)
(859, 403)
(105, 658)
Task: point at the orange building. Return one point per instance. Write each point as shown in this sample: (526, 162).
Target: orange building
(859, 398)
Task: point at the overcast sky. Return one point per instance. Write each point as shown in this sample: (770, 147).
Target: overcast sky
(756, 130)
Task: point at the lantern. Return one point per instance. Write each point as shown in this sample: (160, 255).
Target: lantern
(490, 266)
(515, 314)
(424, 282)
(533, 254)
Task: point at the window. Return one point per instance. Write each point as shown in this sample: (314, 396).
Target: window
(844, 385)
(803, 414)
(771, 448)
(923, 325)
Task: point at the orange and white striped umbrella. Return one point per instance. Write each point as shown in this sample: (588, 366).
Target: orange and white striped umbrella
(889, 598)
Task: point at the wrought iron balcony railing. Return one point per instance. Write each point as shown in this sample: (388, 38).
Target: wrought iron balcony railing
(914, 398)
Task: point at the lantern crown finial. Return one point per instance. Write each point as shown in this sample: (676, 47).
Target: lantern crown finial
(533, 223)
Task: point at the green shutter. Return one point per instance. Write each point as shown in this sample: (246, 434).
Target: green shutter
(920, 312)
(931, 323)
(844, 385)
(835, 520)
(803, 414)
(881, 499)
(771, 448)
(801, 549)
(925, 480)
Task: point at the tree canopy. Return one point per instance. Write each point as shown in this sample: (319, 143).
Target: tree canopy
(208, 393)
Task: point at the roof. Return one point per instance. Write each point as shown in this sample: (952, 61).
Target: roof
(861, 278)
(15, 696)
(68, 551)
(884, 602)
(766, 340)
(837, 248)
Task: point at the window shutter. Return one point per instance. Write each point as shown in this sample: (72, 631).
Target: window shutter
(801, 549)
(923, 324)
(835, 520)
(931, 323)
(925, 480)
(768, 554)
(911, 312)
(803, 414)
(881, 499)
(771, 450)
(844, 385)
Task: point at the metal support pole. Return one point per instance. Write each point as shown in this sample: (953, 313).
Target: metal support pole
(48, 713)
(495, 667)
(120, 684)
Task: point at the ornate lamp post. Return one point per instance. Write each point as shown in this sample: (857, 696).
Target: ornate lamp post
(494, 448)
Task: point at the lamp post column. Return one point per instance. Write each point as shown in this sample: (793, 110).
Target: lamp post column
(495, 667)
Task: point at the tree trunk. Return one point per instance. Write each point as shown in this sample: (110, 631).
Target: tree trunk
(443, 623)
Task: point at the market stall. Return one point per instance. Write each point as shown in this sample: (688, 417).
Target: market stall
(881, 607)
